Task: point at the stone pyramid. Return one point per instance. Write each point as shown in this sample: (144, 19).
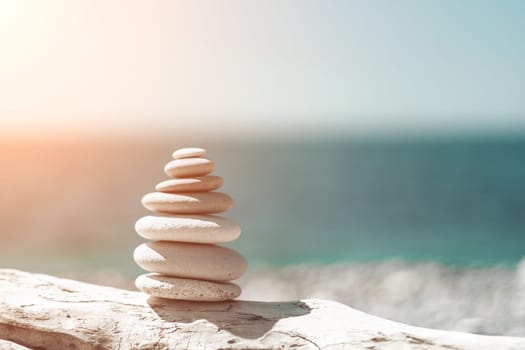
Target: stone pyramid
(183, 256)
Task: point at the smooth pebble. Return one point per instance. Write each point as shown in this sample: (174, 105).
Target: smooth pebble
(189, 152)
(188, 184)
(197, 261)
(188, 228)
(186, 289)
(189, 167)
(188, 203)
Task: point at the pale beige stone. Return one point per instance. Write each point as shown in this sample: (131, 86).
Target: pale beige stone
(189, 260)
(189, 167)
(188, 203)
(168, 287)
(188, 228)
(191, 184)
(190, 152)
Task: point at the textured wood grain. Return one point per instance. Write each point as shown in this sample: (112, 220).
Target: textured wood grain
(45, 312)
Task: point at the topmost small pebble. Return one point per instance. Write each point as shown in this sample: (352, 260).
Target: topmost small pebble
(189, 153)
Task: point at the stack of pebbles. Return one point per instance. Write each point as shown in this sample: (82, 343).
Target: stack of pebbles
(183, 256)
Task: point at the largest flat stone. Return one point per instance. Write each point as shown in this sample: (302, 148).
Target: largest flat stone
(189, 260)
(188, 203)
(188, 228)
(186, 289)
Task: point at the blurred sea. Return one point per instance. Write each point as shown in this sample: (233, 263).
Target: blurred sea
(425, 231)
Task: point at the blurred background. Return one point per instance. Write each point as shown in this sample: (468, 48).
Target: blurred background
(375, 149)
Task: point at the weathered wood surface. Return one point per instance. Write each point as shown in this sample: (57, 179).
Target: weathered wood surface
(7, 345)
(45, 312)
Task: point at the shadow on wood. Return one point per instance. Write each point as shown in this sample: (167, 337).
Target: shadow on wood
(252, 319)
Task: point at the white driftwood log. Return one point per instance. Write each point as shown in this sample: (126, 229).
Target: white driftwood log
(45, 312)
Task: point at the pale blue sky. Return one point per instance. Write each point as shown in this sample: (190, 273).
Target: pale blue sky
(263, 66)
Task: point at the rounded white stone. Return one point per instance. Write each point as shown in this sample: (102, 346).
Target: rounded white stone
(189, 152)
(187, 203)
(189, 167)
(197, 261)
(188, 228)
(189, 184)
(186, 289)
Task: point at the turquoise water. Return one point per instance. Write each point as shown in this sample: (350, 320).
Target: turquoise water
(451, 201)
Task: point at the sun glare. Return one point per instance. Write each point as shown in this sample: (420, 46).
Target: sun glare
(12, 13)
